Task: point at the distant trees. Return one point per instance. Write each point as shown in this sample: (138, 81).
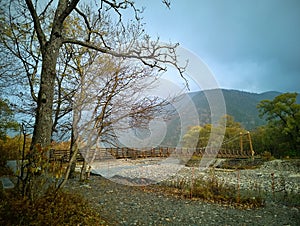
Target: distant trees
(193, 136)
(232, 133)
(280, 137)
(282, 133)
(200, 134)
(7, 121)
(8, 149)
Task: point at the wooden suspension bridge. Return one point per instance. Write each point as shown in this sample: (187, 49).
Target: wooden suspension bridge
(100, 154)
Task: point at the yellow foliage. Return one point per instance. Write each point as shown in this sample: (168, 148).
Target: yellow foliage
(65, 145)
(64, 209)
(10, 147)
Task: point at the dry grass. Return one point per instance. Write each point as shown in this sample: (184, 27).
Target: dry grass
(64, 209)
(211, 190)
(242, 163)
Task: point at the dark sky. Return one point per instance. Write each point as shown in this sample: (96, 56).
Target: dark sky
(250, 45)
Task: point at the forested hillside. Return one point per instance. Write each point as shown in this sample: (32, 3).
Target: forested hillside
(241, 105)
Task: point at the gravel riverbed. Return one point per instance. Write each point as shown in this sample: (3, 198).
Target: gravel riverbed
(123, 204)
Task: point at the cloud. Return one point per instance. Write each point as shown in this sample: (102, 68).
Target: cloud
(258, 76)
(250, 44)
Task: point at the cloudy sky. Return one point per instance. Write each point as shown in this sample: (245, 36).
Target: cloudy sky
(250, 45)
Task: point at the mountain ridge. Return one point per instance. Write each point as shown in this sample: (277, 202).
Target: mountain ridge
(242, 105)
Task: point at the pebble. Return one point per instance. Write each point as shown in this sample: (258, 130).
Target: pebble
(128, 205)
(258, 179)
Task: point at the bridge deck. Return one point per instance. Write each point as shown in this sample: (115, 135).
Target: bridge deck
(124, 152)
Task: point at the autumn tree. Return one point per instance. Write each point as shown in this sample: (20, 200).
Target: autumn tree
(267, 140)
(7, 124)
(197, 135)
(202, 134)
(112, 91)
(35, 33)
(44, 41)
(233, 132)
(283, 117)
(7, 121)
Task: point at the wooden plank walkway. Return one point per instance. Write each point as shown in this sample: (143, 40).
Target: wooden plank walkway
(134, 153)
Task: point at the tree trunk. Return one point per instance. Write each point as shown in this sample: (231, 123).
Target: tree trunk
(72, 152)
(43, 121)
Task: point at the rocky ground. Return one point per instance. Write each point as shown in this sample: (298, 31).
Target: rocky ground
(271, 176)
(123, 204)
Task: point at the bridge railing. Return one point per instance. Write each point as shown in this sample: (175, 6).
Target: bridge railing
(134, 153)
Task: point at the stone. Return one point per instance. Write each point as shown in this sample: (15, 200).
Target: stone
(7, 183)
(12, 164)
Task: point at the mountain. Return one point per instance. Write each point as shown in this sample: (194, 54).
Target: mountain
(239, 104)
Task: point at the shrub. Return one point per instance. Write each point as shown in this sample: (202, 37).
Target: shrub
(194, 161)
(241, 163)
(214, 190)
(266, 155)
(3, 158)
(64, 209)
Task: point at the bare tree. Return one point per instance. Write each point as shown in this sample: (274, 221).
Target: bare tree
(111, 89)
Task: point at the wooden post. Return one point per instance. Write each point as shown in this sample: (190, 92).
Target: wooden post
(241, 142)
(117, 153)
(251, 147)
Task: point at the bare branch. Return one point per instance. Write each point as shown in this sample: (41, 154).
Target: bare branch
(152, 55)
(43, 13)
(167, 3)
(121, 6)
(86, 23)
(37, 25)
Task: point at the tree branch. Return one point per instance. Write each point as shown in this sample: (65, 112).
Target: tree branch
(66, 11)
(152, 55)
(122, 5)
(37, 26)
(86, 23)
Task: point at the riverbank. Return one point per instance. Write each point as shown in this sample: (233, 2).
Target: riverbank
(122, 204)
